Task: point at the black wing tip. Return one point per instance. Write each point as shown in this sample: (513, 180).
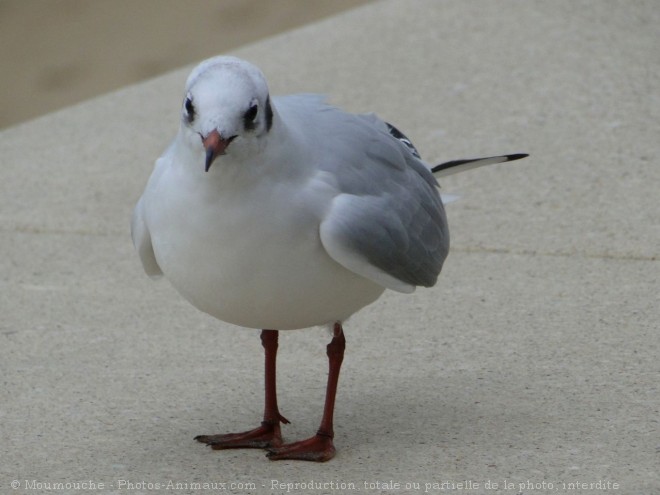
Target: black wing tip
(445, 165)
(403, 138)
(456, 163)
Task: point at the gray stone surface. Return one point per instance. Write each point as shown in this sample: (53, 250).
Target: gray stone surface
(535, 358)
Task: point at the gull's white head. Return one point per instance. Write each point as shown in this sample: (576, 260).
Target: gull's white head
(226, 107)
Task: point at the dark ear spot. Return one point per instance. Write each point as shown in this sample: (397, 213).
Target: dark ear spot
(269, 114)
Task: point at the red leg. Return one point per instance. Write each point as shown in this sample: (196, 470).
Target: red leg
(268, 434)
(319, 448)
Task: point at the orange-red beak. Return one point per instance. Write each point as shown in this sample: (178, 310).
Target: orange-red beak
(215, 145)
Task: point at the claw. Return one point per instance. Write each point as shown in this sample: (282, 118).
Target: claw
(267, 435)
(318, 448)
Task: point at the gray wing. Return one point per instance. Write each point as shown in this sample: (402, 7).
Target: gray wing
(142, 242)
(139, 229)
(387, 223)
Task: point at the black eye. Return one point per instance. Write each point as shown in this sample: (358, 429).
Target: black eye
(249, 116)
(190, 110)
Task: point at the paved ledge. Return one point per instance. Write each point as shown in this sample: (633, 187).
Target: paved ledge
(535, 359)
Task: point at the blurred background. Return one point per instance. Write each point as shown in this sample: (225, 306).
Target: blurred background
(54, 53)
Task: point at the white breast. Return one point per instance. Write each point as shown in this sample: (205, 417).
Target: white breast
(250, 256)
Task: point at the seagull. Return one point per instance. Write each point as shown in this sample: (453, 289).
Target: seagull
(286, 213)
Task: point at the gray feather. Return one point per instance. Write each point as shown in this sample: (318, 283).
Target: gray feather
(388, 213)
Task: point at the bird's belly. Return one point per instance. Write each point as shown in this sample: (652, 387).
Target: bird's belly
(257, 268)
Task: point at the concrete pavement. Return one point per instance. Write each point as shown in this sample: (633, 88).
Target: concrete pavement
(532, 365)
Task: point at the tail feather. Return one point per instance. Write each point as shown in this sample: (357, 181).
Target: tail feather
(455, 166)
